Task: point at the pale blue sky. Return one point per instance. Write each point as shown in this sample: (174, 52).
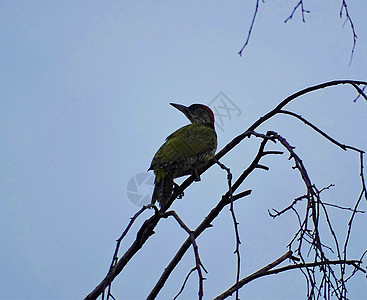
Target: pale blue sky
(85, 88)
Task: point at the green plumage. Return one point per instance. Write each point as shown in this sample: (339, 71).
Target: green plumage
(184, 151)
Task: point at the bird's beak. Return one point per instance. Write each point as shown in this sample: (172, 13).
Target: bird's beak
(182, 108)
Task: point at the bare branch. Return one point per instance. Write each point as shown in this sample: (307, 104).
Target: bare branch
(303, 12)
(251, 27)
(363, 192)
(115, 255)
(344, 147)
(257, 274)
(235, 223)
(269, 115)
(300, 6)
(241, 195)
(360, 92)
(267, 271)
(329, 279)
(132, 220)
(291, 206)
(206, 223)
(198, 262)
(184, 283)
(344, 7)
(344, 208)
(147, 228)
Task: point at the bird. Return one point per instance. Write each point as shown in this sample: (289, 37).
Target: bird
(184, 152)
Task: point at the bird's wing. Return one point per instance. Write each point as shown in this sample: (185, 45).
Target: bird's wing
(185, 143)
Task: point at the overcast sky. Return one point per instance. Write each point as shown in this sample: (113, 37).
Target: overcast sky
(85, 88)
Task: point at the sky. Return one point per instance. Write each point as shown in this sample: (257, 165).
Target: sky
(85, 88)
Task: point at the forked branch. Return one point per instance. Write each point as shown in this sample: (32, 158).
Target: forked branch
(147, 228)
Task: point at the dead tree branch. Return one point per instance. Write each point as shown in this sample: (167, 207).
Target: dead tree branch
(251, 27)
(344, 7)
(303, 12)
(147, 228)
(198, 262)
(235, 223)
(206, 223)
(300, 6)
(267, 271)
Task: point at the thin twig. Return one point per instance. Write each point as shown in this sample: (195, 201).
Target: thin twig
(344, 208)
(363, 192)
(360, 92)
(132, 220)
(124, 233)
(254, 275)
(198, 262)
(278, 213)
(235, 224)
(313, 198)
(303, 12)
(184, 283)
(251, 27)
(267, 271)
(344, 147)
(349, 20)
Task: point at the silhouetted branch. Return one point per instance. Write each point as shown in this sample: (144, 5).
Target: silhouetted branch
(344, 208)
(277, 213)
(360, 92)
(206, 223)
(314, 128)
(115, 257)
(198, 262)
(235, 223)
(272, 113)
(329, 279)
(344, 7)
(241, 195)
(303, 12)
(184, 283)
(300, 6)
(306, 235)
(242, 282)
(363, 192)
(267, 271)
(313, 212)
(251, 27)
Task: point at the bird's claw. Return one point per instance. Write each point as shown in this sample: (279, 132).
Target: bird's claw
(178, 190)
(196, 175)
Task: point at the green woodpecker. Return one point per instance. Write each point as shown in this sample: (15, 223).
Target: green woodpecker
(185, 151)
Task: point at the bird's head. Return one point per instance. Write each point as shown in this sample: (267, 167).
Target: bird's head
(197, 113)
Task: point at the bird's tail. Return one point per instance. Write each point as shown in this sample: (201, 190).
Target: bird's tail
(162, 190)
